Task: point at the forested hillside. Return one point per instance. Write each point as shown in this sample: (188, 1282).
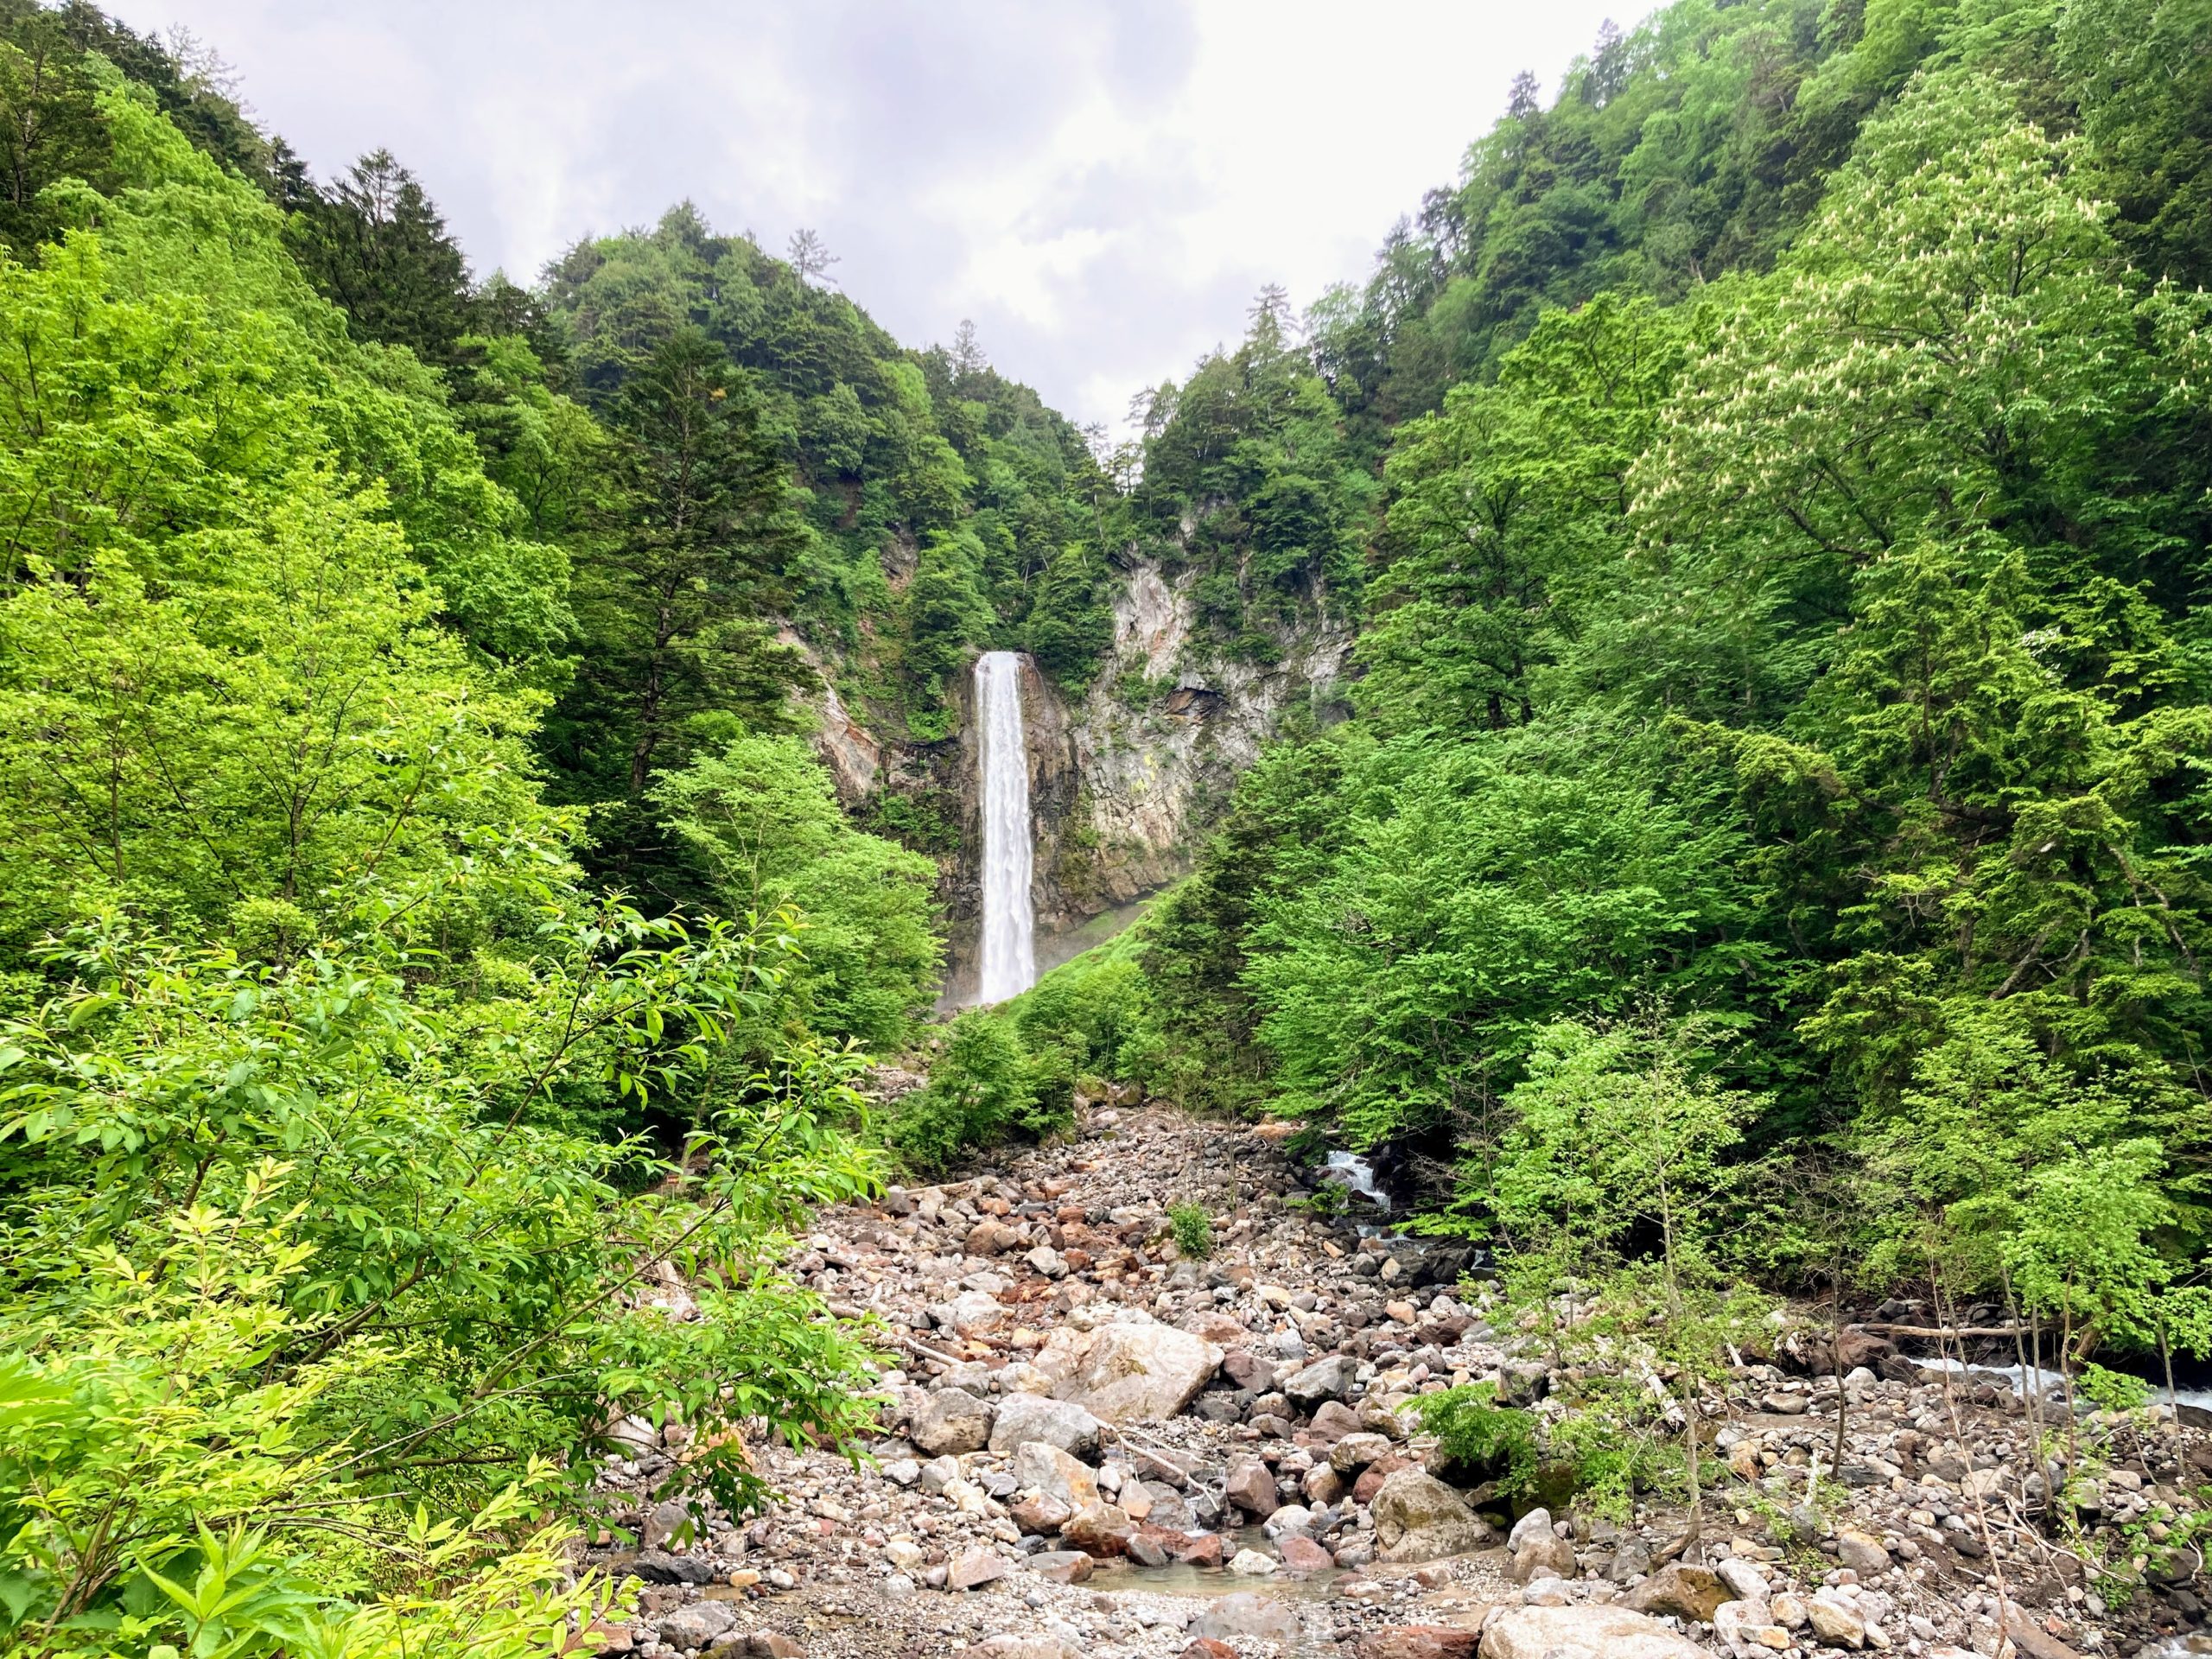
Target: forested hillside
(1782, 699)
(426, 936)
(1758, 846)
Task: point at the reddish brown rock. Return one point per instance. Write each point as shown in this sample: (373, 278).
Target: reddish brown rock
(1248, 1370)
(1042, 1513)
(1251, 1488)
(1371, 1478)
(1061, 1566)
(1100, 1530)
(1333, 1420)
(973, 1567)
(1301, 1554)
(1203, 1550)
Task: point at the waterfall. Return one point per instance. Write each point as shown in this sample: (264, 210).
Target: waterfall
(1009, 964)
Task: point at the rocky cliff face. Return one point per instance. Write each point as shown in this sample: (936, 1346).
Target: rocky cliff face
(1140, 779)
(1124, 780)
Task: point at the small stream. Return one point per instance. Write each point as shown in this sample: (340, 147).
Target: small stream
(2050, 1385)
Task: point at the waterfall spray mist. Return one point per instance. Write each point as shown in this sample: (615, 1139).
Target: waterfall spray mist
(1009, 963)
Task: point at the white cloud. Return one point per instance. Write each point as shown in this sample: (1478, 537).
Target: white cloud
(1101, 190)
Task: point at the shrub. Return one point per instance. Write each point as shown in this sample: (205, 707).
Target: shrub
(300, 1249)
(1193, 1229)
(1473, 1430)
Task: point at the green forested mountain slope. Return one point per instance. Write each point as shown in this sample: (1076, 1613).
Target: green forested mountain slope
(1785, 637)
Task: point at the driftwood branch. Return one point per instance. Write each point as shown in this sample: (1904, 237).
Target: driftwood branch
(1944, 1333)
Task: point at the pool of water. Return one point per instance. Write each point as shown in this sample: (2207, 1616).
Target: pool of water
(1208, 1582)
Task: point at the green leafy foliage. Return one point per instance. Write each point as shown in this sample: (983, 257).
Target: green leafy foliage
(981, 1090)
(1193, 1228)
(1786, 613)
(350, 1141)
(1477, 1436)
(760, 822)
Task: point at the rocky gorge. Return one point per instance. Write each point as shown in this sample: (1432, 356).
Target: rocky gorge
(1095, 1444)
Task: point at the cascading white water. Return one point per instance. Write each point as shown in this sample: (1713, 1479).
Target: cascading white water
(1009, 965)
(1355, 1175)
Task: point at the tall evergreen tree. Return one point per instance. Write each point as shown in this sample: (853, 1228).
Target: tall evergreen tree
(675, 609)
(376, 243)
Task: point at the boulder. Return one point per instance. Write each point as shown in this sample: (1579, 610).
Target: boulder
(972, 1567)
(694, 1627)
(1632, 1560)
(1333, 1420)
(990, 1236)
(1040, 1514)
(1006, 1645)
(1835, 1621)
(1100, 1530)
(939, 1474)
(1249, 1370)
(1061, 1566)
(1301, 1554)
(1854, 1348)
(1537, 1523)
(669, 1521)
(1419, 1518)
(1371, 1478)
(1325, 1379)
(1129, 1372)
(972, 1310)
(1583, 1633)
(1204, 1550)
(1419, 1642)
(1355, 1450)
(1252, 1562)
(1323, 1484)
(1748, 1631)
(658, 1567)
(1246, 1613)
(1251, 1488)
(1543, 1554)
(954, 1421)
(1863, 1554)
(1062, 1423)
(1050, 1472)
(1678, 1588)
(1291, 1517)
(1745, 1581)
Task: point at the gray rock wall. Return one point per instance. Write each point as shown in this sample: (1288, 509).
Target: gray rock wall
(1124, 780)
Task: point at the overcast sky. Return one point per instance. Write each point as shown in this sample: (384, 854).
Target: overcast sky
(1102, 189)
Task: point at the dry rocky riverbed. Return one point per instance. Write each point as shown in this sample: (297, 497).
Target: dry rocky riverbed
(1093, 1447)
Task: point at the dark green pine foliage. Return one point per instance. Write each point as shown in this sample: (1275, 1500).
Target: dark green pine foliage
(376, 246)
(676, 605)
(54, 60)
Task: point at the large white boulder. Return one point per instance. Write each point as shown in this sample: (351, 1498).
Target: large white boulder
(1128, 1371)
(1583, 1633)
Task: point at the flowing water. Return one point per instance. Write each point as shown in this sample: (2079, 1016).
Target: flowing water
(2051, 1385)
(1355, 1175)
(1009, 955)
